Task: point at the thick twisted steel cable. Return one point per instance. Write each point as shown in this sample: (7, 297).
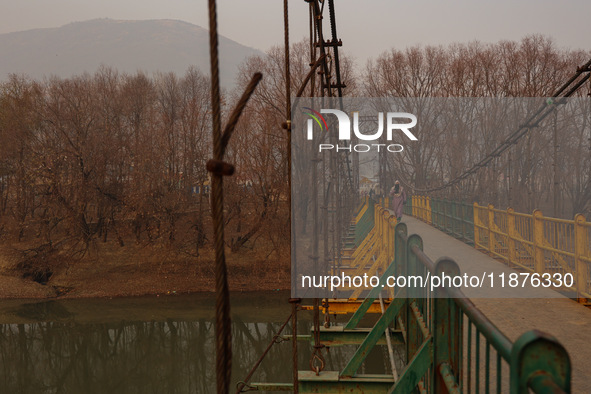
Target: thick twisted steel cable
(325, 78)
(339, 85)
(333, 28)
(235, 115)
(218, 169)
(223, 319)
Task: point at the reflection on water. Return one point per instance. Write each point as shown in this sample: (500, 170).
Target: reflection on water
(145, 345)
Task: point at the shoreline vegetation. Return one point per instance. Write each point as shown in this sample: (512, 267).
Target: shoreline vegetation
(136, 271)
(104, 190)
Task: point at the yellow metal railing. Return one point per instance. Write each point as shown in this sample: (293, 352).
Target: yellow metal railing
(363, 206)
(537, 243)
(531, 242)
(421, 208)
(376, 252)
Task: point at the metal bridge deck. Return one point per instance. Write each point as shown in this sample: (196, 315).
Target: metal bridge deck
(566, 319)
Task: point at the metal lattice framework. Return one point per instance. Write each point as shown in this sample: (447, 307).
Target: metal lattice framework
(430, 326)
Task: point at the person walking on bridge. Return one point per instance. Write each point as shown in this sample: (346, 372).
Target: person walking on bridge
(398, 199)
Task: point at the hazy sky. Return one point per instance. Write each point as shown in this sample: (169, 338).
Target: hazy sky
(367, 28)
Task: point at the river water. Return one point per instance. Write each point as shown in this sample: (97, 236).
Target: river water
(147, 344)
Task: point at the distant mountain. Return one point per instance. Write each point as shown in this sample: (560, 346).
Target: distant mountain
(128, 46)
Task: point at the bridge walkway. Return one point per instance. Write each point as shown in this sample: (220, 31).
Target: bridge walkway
(557, 315)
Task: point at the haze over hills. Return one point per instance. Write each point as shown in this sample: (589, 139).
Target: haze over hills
(128, 46)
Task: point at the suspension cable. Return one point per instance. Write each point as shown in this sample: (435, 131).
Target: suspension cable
(276, 339)
(294, 302)
(223, 320)
(531, 122)
(218, 169)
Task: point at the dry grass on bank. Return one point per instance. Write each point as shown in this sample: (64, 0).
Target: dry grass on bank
(107, 270)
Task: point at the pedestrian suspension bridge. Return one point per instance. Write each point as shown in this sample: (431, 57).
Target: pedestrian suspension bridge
(438, 340)
(451, 343)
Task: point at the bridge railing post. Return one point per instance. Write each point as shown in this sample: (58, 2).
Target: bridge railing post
(442, 214)
(477, 225)
(454, 215)
(467, 224)
(420, 207)
(462, 220)
(449, 222)
(434, 212)
(491, 224)
(539, 361)
(400, 231)
(448, 217)
(447, 330)
(388, 244)
(470, 221)
(413, 268)
(400, 257)
(581, 250)
(392, 240)
(511, 235)
(382, 229)
(423, 208)
(538, 230)
(443, 210)
(408, 206)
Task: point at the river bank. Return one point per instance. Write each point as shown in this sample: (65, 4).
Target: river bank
(138, 270)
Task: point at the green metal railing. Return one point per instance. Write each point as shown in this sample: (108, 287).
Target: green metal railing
(465, 350)
(365, 223)
(532, 242)
(450, 346)
(407, 208)
(454, 218)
